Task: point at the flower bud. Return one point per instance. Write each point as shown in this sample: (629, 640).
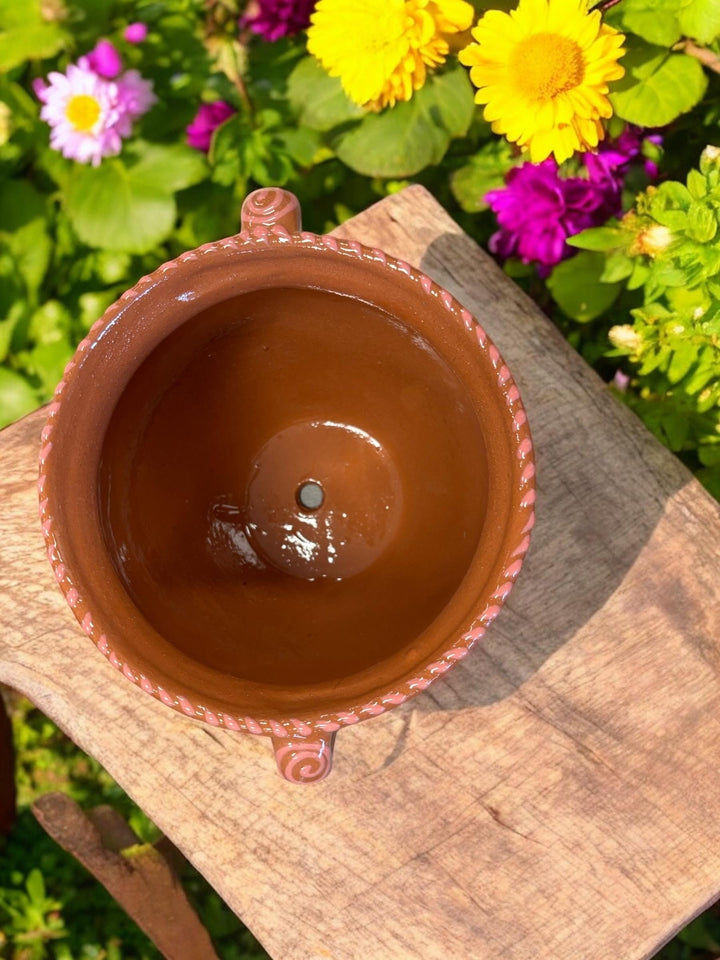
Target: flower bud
(652, 241)
(625, 337)
(709, 158)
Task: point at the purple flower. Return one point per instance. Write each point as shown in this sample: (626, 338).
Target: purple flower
(136, 32)
(273, 19)
(104, 60)
(613, 157)
(537, 210)
(207, 120)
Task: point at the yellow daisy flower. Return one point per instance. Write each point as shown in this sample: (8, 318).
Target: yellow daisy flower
(543, 72)
(381, 49)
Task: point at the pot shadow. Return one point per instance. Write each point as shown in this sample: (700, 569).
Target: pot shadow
(602, 485)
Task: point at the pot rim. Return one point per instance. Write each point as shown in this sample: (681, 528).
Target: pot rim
(455, 648)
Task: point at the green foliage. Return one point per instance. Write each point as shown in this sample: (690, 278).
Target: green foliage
(485, 171)
(50, 907)
(319, 99)
(413, 135)
(658, 85)
(130, 205)
(577, 290)
(668, 249)
(25, 34)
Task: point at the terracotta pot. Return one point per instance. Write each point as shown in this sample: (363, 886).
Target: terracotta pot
(286, 483)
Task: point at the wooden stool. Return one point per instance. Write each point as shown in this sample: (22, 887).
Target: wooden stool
(555, 797)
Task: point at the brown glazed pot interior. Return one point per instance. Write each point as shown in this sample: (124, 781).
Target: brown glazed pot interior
(286, 479)
(200, 489)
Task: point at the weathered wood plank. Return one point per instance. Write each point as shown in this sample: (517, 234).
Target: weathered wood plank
(137, 875)
(555, 796)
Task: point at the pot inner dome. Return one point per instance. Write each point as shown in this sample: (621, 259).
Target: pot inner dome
(292, 486)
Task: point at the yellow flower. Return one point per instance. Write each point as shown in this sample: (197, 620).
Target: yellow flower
(381, 49)
(543, 72)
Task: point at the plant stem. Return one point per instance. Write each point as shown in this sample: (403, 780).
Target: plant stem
(708, 58)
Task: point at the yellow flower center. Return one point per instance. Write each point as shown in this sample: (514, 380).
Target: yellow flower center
(82, 111)
(546, 64)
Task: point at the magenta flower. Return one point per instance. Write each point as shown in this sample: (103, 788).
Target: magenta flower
(103, 59)
(537, 211)
(136, 32)
(206, 121)
(613, 157)
(279, 18)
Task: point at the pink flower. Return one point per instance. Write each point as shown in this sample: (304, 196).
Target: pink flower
(135, 97)
(88, 114)
(207, 119)
(103, 59)
(82, 111)
(136, 32)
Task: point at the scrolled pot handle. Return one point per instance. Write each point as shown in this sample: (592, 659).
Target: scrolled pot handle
(304, 759)
(271, 207)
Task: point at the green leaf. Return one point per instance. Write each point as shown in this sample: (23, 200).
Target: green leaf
(51, 321)
(709, 455)
(701, 223)
(618, 266)
(684, 356)
(301, 144)
(658, 86)
(31, 42)
(675, 426)
(700, 19)
(229, 148)
(35, 886)
(109, 208)
(46, 362)
(166, 168)
(17, 397)
(671, 192)
(23, 228)
(696, 184)
(654, 20)
(401, 141)
(576, 287)
(454, 99)
(485, 171)
(597, 238)
(319, 99)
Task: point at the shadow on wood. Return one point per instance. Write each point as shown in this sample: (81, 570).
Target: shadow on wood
(137, 875)
(7, 771)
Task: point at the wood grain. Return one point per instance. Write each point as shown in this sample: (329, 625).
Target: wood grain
(555, 797)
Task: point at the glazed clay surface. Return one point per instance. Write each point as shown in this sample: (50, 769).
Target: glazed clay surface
(182, 445)
(213, 439)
